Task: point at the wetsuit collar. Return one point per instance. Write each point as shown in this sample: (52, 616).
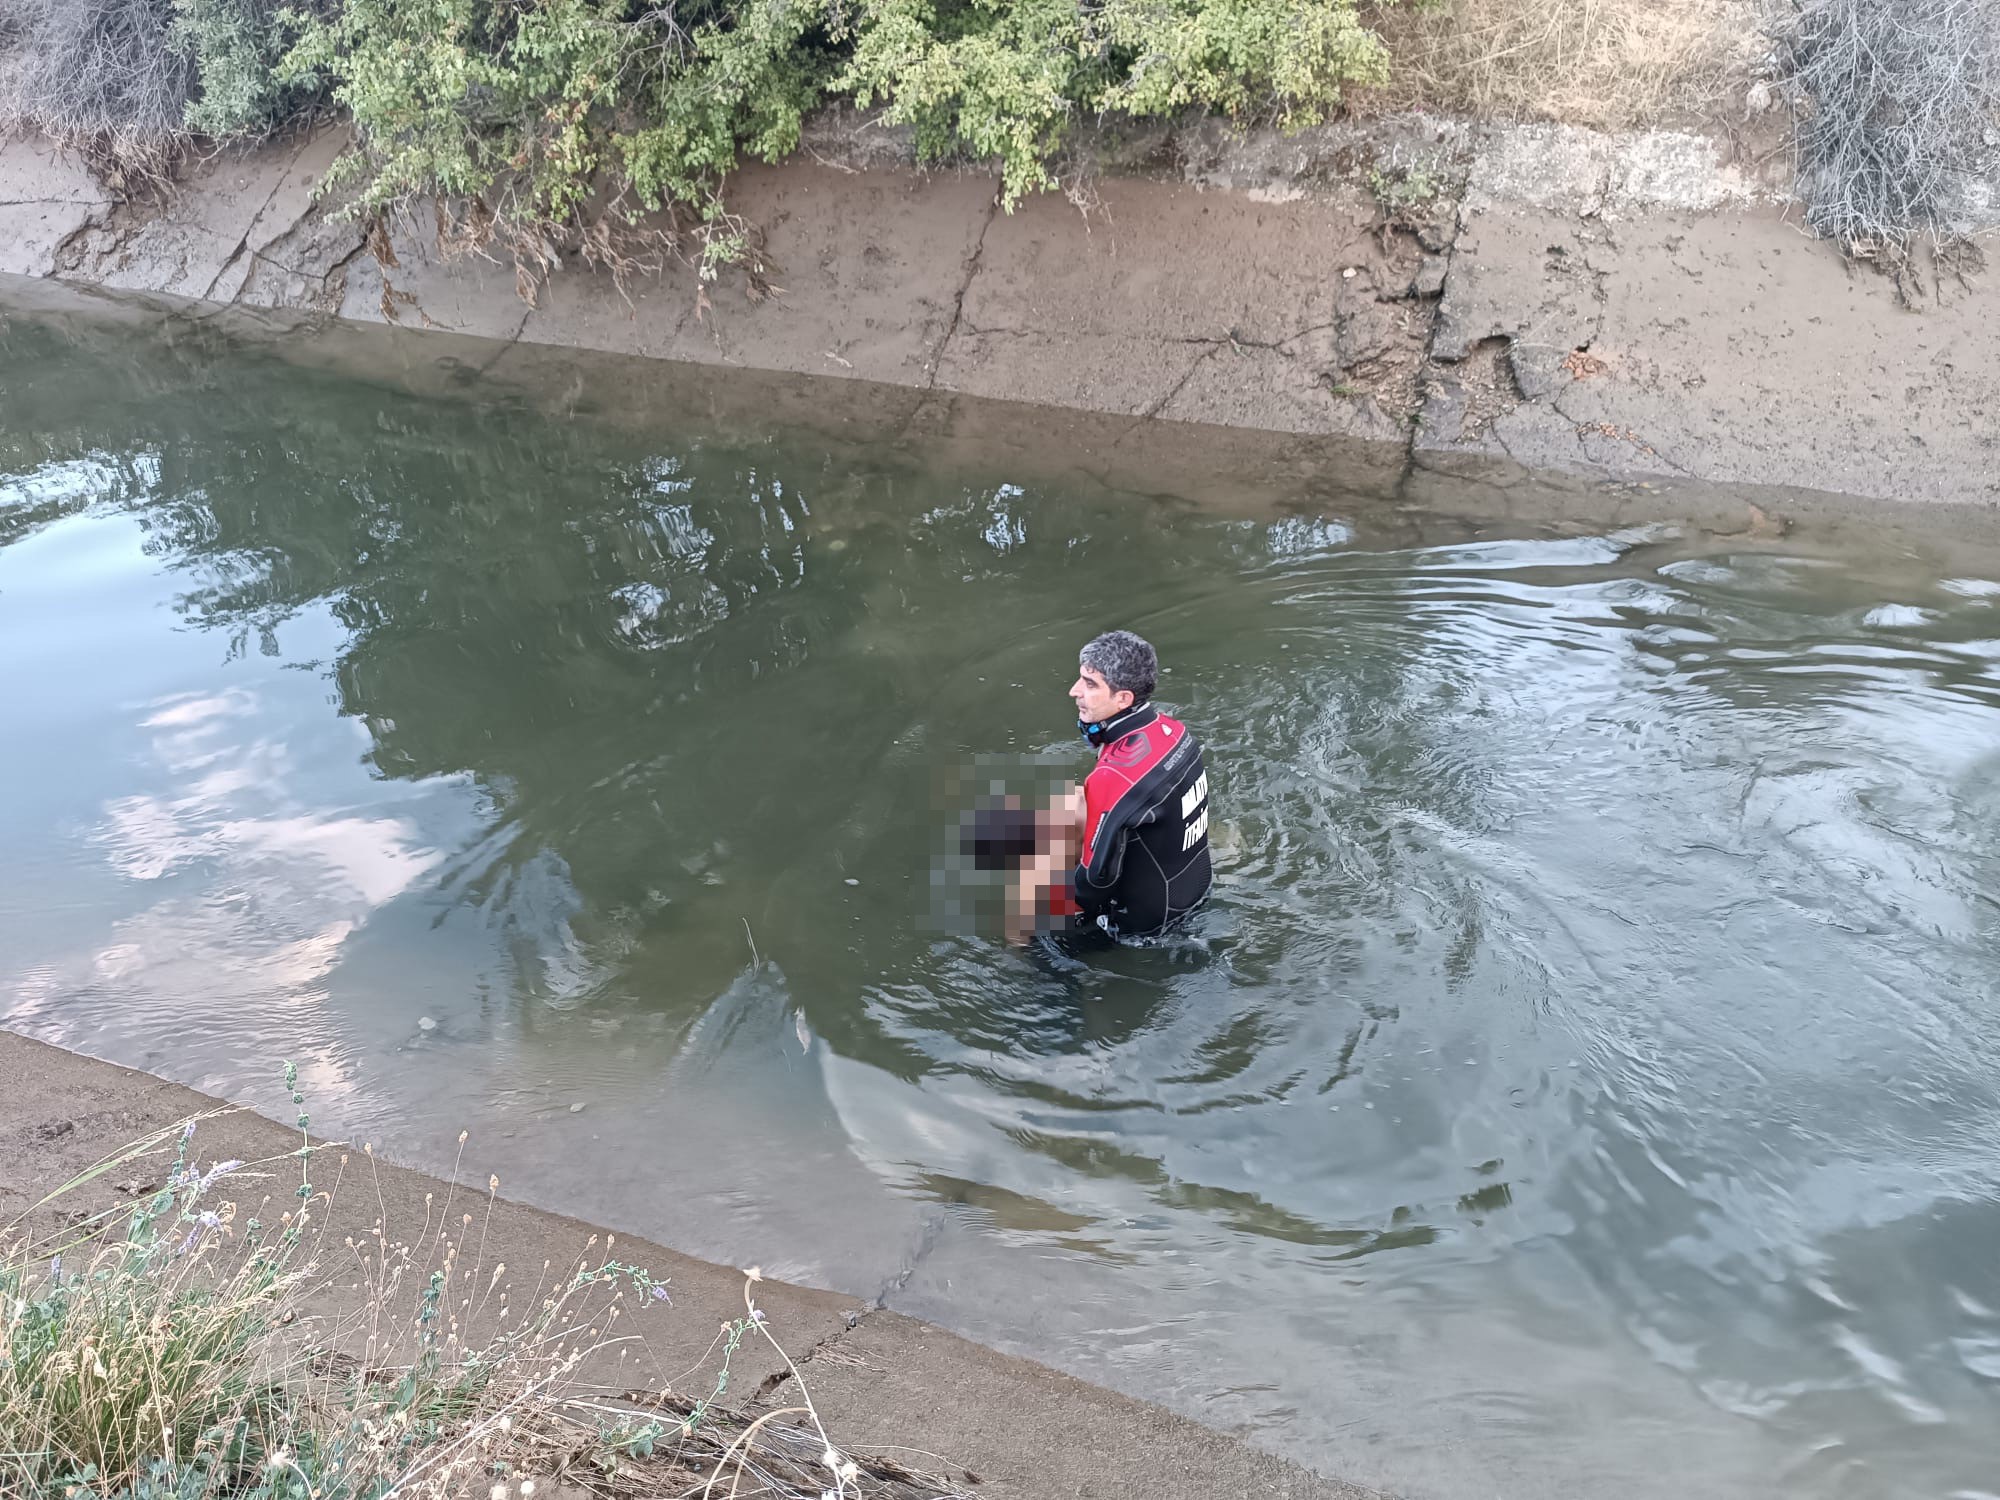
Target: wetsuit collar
(1110, 731)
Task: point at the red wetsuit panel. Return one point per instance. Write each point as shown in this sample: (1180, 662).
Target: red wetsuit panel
(1121, 766)
(1145, 840)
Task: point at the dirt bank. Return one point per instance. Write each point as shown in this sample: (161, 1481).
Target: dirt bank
(879, 1378)
(1540, 296)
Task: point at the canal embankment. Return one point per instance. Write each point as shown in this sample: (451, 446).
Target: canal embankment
(1511, 298)
(1463, 305)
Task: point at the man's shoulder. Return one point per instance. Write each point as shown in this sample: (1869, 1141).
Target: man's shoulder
(1131, 755)
(1185, 736)
(1172, 733)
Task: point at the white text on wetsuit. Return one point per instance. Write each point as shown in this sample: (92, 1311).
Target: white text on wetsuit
(1197, 828)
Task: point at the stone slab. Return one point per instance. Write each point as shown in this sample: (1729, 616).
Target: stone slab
(46, 200)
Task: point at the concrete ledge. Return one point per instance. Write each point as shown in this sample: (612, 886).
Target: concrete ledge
(1615, 307)
(1023, 1429)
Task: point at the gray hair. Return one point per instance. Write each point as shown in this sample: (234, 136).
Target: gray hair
(1124, 661)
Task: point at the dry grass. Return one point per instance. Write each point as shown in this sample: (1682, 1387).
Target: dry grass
(1605, 63)
(176, 1349)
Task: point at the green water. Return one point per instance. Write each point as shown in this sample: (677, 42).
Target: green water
(1586, 1079)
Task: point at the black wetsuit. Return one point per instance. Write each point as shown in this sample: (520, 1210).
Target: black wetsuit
(1145, 839)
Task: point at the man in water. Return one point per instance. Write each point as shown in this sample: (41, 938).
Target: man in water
(1127, 852)
(1142, 813)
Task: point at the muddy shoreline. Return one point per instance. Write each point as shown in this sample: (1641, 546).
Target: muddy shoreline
(1639, 307)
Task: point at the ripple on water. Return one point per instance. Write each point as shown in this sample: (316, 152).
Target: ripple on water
(1585, 1078)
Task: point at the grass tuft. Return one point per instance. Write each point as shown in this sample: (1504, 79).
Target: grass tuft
(1613, 64)
(181, 1350)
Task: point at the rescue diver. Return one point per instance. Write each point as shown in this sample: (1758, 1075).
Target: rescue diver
(1143, 810)
(1125, 854)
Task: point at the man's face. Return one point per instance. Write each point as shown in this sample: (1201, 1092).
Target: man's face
(1095, 699)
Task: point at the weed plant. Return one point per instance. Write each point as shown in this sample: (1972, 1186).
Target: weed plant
(177, 1349)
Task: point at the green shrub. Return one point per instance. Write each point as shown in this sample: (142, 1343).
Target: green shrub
(990, 80)
(740, 80)
(539, 118)
(1009, 79)
(544, 109)
(234, 47)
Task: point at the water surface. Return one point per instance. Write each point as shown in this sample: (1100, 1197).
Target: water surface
(1586, 1079)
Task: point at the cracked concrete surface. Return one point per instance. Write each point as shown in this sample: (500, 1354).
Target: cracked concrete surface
(1721, 346)
(958, 302)
(1100, 313)
(46, 200)
(1609, 306)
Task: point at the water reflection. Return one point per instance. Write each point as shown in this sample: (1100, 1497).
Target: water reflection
(1585, 1076)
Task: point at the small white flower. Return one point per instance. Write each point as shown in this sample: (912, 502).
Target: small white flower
(498, 1492)
(831, 1459)
(527, 1489)
(506, 1424)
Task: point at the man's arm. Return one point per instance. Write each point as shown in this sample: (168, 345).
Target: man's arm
(1101, 836)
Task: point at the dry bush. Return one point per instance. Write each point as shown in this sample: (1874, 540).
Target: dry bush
(103, 75)
(1899, 117)
(1604, 63)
